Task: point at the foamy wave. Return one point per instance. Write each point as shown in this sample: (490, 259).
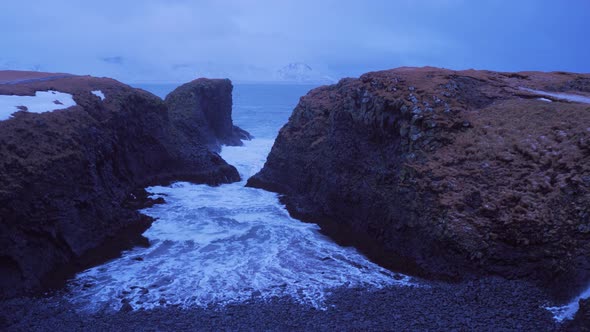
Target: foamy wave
(226, 244)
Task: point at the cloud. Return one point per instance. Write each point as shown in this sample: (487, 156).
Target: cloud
(174, 40)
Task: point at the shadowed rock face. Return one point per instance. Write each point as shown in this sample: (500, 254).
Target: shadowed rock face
(201, 109)
(581, 322)
(72, 180)
(445, 173)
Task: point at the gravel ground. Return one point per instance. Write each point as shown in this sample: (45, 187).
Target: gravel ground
(491, 304)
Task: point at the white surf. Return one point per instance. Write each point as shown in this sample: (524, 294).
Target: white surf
(226, 244)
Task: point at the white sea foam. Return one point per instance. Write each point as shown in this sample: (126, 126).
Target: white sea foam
(568, 311)
(99, 94)
(226, 244)
(42, 101)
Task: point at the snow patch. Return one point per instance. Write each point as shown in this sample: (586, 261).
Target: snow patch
(300, 72)
(545, 99)
(566, 96)
(42, 101)
(99, 94)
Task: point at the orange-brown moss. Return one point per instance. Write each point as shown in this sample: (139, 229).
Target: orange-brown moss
(449, 172)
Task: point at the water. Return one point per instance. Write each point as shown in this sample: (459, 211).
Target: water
(229, 244)
(569, 310)
(260, 109)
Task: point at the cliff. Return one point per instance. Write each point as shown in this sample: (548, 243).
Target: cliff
(581, 321)
(72, 179)
(446, 174)
(201, 110)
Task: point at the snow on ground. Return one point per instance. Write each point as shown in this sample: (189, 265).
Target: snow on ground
(566, 96)
(99, 94)
(42, 101)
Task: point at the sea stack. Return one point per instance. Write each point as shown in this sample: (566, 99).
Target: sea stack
(202, 109)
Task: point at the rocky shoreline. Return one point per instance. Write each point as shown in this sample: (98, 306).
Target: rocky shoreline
(490, 304)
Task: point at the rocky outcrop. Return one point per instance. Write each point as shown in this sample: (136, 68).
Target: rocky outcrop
(72, 179)
(201, 110)
(445, 173)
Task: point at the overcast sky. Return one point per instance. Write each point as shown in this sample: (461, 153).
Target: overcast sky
(177, 40)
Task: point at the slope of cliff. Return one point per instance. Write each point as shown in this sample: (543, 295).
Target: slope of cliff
(201, 110)
(72, 179)
(446, 173)
(581, 321)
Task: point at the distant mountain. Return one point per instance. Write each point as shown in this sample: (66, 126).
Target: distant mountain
(15, 65)
(117, 60)
(133, 70)
(301, 72)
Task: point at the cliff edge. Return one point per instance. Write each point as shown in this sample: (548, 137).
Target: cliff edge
(446, 174)
(72, 173)
(202, 109)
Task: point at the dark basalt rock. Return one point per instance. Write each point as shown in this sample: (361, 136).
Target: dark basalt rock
(581, 322)
(446, 174)
(72, 180)
(201, 110)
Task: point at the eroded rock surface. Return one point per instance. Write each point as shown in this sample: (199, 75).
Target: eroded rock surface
(445, 173)
(201, 109)
(73, 179)
(581, 322)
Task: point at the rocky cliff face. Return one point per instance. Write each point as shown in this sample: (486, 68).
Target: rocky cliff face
(581, 321)
(445, 173)
(201, 110)
(72, 179)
